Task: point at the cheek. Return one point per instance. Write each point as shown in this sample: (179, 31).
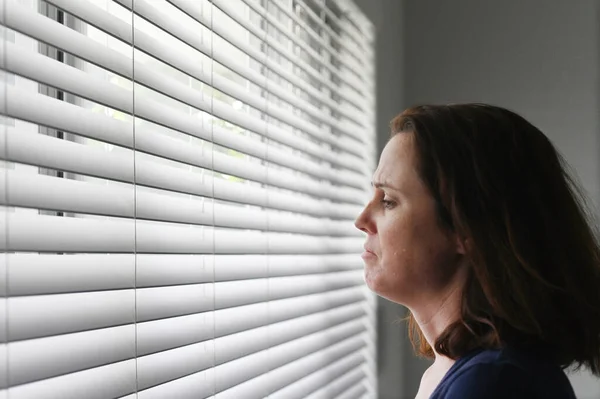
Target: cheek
(391, 272)
(397, 241)
(413, 258)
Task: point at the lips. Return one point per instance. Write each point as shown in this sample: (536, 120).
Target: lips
(368, 254)
(368, 250)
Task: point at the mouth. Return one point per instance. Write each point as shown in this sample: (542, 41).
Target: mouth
(368, 254)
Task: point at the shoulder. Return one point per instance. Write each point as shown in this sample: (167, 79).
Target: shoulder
(499, 374)
(490, 380)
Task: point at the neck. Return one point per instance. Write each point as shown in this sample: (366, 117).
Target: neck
(436, 315)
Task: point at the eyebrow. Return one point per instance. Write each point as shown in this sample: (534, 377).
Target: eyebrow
(383, 185)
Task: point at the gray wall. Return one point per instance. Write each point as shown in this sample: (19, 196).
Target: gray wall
(539, 58)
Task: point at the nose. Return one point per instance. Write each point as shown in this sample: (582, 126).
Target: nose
(364, 221)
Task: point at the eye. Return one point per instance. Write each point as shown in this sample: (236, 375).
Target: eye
(387, 203)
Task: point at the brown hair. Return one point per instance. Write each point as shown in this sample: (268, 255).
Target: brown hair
(534, 259)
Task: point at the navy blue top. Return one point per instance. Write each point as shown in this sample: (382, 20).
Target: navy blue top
(503, 373)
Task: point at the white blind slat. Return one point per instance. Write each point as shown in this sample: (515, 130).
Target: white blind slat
(236, 293)
(355, 392)
(236, 345)
(314, 36)
(37, 274)
(267, 383)
(356, 46)
(61, 76)
(232, 320)
(38, 359)
(311, 383)
(43, 358)
(65, 155)
(44, 315)
(215, 21)
(165, 366)
(3, 365)
(254, 365)
(44, 192)
(119, 29)
(348, 71)
(145, 10)
(90, 384)
(178, 182)
(273, 44)
(86, 349)
(228, 375)
(39, 316)
(158, 335)
(337, 386)
(66, 117)
(59, 234)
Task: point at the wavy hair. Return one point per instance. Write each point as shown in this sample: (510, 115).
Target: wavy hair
(533, 253)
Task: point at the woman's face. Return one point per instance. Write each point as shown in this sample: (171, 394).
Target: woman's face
(408, 256)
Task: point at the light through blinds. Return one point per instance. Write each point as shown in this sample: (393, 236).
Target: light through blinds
(178, 183)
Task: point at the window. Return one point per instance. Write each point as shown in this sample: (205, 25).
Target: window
(179, 182)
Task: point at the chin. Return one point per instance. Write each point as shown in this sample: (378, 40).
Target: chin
(380, 285)
(375, 281)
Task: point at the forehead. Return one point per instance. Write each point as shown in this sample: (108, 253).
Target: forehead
(397, 161)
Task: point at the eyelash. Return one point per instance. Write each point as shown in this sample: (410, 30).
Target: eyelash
(387, 204)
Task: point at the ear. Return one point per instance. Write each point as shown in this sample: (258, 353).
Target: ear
(462, 244)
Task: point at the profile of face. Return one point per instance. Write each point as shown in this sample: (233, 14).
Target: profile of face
(409, 257)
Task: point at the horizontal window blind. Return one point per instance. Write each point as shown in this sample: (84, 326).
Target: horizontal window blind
(178, 183)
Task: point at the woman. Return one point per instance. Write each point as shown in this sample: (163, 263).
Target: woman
(478, 230)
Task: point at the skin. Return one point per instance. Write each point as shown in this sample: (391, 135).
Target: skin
(409, 258)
